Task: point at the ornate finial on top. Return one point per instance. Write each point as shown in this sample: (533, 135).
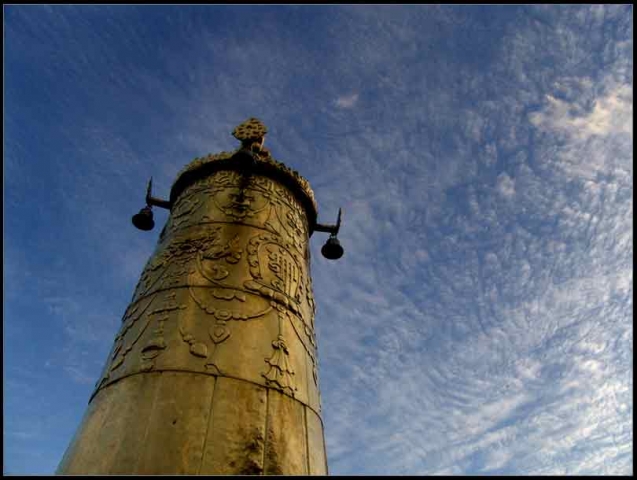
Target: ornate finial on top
(251, 133)
(251, 129)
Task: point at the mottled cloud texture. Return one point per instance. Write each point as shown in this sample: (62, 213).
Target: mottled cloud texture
(480, 321)
(347, 101)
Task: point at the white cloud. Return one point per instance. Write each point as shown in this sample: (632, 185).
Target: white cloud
(611, 115)
(347, 101)
(80, 375)
(506, 185)
(584, 142)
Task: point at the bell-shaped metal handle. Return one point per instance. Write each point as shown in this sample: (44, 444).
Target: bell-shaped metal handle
(332, 250)
(144, 219)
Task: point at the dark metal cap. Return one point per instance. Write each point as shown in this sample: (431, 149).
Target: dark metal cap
(332, 250)
(144, 219)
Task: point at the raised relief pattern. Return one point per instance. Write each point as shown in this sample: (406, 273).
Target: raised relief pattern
(169, 266)
(152, 311)
(275, 270)
(280, 373)
(234, 249)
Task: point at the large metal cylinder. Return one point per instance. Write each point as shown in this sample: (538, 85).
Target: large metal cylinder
(214, 370)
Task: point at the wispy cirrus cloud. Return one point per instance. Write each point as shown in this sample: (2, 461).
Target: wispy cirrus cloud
(467, 355)
(610, 114)
(347, 101)
(506, 185)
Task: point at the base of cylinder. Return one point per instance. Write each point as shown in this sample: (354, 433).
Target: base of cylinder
(182, 423)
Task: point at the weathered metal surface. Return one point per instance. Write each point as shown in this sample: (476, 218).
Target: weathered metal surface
(286, 436)
(214, 369)
(235, 443)
(316, 443)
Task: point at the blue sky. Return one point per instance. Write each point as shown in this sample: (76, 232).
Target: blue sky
(480, 321)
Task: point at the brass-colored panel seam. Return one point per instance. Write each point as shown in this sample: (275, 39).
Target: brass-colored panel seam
(324, 446)
(213, 375)
(306, 366)
(319, 417)
(215, 385)
(305, 347)
(317, 413)
(265, 441)
(149, 418)
(307, 442)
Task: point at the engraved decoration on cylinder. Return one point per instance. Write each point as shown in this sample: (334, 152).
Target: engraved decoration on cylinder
(214, 368)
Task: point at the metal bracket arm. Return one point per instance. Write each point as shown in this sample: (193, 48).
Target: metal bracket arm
(157, 202)
(332, 229)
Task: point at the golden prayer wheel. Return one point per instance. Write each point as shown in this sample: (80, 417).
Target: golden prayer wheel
(214, 369)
